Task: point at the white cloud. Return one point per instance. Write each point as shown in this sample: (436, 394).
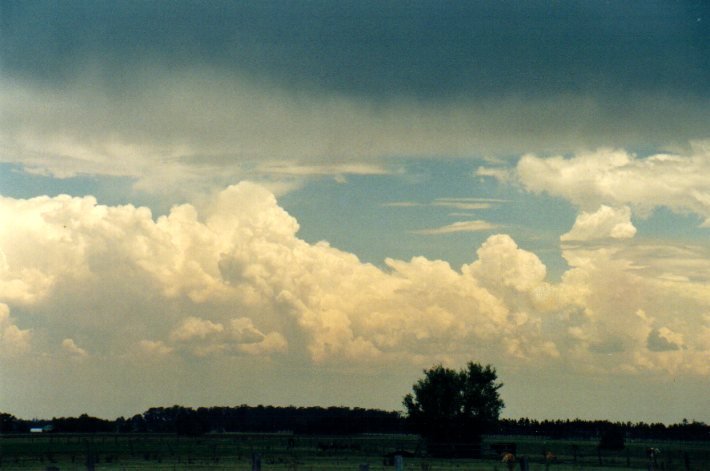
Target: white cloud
(503, 175)
(294, 169)
(194, 327)
(186, 273)
(273, 342)
(71, 347)
(456, 203)
(464, 204)
(604, 223)
(680, 182)
(229, 280)
(502, 264)
(624, 306)
(155, 348)
(459, 226)
(13, 340)
(203, 337)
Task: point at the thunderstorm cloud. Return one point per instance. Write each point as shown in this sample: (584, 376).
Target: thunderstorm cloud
(271, 202)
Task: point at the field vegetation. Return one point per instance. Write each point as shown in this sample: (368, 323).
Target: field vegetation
(452, 423)
(284, 451)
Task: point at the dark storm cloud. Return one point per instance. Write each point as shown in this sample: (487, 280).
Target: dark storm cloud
(86, 83)
(422, 50)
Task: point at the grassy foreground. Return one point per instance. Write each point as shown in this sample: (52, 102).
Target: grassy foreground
(288, 452)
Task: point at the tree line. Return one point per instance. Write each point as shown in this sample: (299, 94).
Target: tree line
(590, 429)
(188, 421)
(332, 421)
(446, 407)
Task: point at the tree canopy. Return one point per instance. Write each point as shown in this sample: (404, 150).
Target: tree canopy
(450, 406)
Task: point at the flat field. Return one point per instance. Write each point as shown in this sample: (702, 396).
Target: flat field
(291, 452)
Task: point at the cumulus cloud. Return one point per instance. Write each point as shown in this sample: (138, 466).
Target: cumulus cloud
(617, 178)
(13, 340)
(663, 340)
(627, 308)
(501, 263)
(70, 346)
(606, 222)
(203, 337)
(229, 280)
(188, 272)
(193, 327)
(154, 347)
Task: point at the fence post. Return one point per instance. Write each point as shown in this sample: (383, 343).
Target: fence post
(628, 457)
(90, 458)
(255, 462)
(398, 462)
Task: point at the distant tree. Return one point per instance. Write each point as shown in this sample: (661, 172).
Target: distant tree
(137, 424)
(189, 422)
(82, 424)
(11, 424)
(455, 407)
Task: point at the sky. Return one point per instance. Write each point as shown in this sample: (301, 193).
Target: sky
(308, 203)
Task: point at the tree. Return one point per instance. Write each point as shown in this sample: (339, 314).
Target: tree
(455, 407)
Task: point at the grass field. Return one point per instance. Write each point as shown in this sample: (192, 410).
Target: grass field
(288, 452)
